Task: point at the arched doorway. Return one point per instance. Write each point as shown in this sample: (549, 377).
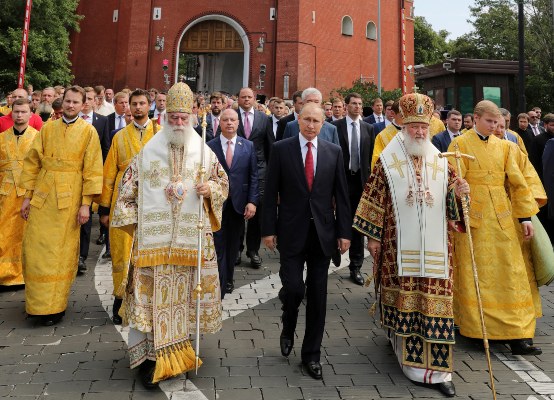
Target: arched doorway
(213, 55)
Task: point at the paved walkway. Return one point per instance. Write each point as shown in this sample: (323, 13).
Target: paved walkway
(84, 356)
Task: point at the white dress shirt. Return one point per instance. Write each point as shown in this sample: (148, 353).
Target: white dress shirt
(224, 144)
(452, 134)
(349, 129)
(120, 121)
(304, 150)
(378, 117)
(89, 116)
(536, 130)
(275, 120)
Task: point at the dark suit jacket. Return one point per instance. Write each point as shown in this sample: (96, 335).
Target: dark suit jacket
(367, 140)
(378, 127)
(371, 119)
(243, 174)
(270, 137)
(258, 136)
(441, 141)
(209, 128)
(282, 124)
(328, 132)
(536, 151)
(101, 125)
(548, 175)
(286, 181)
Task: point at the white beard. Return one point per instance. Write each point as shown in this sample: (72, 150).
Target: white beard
(417, 147)
(176, 134)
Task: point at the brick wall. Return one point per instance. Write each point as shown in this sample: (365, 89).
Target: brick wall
(312, 51)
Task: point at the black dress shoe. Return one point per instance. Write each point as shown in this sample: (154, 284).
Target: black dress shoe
(255, 259)
(146, 372)
(107, 255)
(287, 344)
(447, 388)
(313, 368)
(524, 347)
(239, 259)
(81, 267)
(336, 258)
(356, 276)
(51, 319)
(229, 287)
(101, 239)
(117, 320)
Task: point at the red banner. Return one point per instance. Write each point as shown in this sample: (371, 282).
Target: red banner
(24, 43)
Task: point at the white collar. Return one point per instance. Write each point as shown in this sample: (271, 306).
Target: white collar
(303, 141)
(350, 120)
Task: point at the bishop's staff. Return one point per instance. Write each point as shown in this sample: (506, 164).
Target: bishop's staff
(200, 226)
(465, 208)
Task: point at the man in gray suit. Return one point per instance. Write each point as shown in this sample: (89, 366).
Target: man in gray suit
(328, 131)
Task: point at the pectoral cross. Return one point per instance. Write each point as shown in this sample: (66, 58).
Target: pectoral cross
(436, 168)
(398, 164)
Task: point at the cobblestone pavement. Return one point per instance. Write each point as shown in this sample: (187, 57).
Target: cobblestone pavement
(84, 357)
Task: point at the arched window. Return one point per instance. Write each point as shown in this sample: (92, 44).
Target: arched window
(347, 27)
(371, 31)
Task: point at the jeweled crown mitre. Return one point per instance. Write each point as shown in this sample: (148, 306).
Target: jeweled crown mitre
(179, 98)
(415, 107)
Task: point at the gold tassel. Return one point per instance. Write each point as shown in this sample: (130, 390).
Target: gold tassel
(368, 281)
(159, 371)
(373, 309)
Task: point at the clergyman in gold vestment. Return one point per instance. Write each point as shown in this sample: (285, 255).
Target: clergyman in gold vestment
(14, 144)
(505, 291)
(61, 172)
(125, 145)
(158, 196)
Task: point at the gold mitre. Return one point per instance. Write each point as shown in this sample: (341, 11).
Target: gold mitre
(415, 107)
(179, 98)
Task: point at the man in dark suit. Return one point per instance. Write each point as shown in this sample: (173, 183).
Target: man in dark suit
(534, 123)
(536, 153)
(212, 119)
(442, 140)
(238, 158)
(279, 112)
(377, 115)
(356, 140)
(281, 125)
(101, 125)
(305, 177)
(253, 126)
(116, 120)
(328, 131)
(524, 130)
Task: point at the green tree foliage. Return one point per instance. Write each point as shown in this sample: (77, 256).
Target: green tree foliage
(48, 50)
(495, 36)
(368, 91)
(429, 46)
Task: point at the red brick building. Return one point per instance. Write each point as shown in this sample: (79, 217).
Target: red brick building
(270, 45)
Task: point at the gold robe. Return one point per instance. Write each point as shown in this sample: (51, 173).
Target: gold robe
(435, 126)
(539, 194)
(61, 172)
(125, 145)
(12, 152)
(505, 291)
(383, 138)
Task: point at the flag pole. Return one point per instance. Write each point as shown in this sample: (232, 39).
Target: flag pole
(24, 43)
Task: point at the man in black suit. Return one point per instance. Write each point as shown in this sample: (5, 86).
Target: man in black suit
(453, 125)
(337, 110)
(305, 177)
(534, 123)
(524, 130)
(116, 120)
(253, 126)
(238, 158)
(101, 125)
(279, 112)
(282, 124)
(377, 115)
(356, 139)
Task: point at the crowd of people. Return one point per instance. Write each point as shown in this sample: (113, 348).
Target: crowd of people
(310, 178)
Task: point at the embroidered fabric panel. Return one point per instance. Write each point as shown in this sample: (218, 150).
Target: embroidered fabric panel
(433, 329)
(432, 356)
(126, 208)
